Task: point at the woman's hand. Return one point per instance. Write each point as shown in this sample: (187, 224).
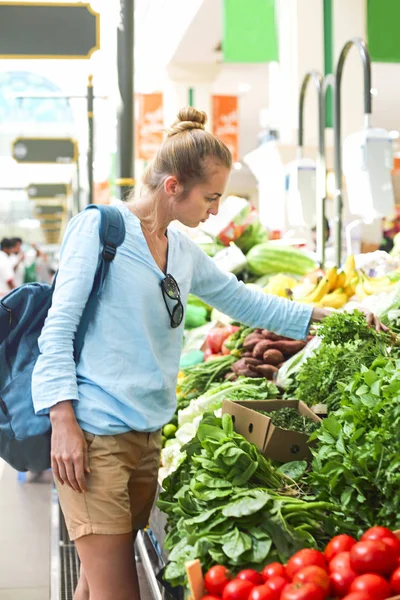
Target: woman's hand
(373, 321)
(69, 453)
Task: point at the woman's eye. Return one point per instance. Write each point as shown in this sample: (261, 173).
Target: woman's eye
(210, 199)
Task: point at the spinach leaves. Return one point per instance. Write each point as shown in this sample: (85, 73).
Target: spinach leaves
(357, 462)
(226, 503)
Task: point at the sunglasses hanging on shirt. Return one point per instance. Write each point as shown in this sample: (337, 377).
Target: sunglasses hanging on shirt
(171, 290)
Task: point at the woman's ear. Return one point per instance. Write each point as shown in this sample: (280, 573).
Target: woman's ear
(172, 186)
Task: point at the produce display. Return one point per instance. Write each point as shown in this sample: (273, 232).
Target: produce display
(228, 504)
(314, 529)
(367, 569)
(346, 343)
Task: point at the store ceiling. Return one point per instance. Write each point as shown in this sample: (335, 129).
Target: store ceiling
(202, 38)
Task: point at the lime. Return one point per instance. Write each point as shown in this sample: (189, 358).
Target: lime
(163, 440)
(169, 430)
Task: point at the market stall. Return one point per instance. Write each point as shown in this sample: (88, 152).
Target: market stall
(278, 446)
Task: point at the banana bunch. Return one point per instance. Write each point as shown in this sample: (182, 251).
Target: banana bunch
(367, 286)
(329, 291)
(335, 288)
(362, 285)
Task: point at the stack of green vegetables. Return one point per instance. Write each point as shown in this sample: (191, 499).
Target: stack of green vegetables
(347, 343)
(227, 504)
(356, 460)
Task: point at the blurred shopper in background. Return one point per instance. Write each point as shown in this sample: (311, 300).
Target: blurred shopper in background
(7, 273)
(17, 258)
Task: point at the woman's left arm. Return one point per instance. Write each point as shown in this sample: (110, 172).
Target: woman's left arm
(252, 307)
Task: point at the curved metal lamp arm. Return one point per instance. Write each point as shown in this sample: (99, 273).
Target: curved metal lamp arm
(317, 80)
(366, 61)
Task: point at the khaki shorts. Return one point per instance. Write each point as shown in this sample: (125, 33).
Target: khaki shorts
(121, 486)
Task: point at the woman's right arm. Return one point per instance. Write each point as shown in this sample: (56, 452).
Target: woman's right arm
(54, 384)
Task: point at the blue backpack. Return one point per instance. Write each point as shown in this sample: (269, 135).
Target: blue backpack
(24, 436)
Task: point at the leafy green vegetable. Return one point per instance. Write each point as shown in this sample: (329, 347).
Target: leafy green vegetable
(289, 418)
(356, 460)
(340, 328)
(347, 343)
(227, 503)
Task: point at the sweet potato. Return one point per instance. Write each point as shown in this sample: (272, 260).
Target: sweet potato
(247, 354)
(261, 347)
(253, 361)
(288, 348)
(267, 371)
(238, 365)
(273, 357)
(270, 335)
(251, 340)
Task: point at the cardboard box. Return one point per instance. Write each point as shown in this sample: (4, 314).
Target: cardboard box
(274, 442)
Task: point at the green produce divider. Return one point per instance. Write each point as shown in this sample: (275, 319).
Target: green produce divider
(249, 31)
(328, 58)
(383, 18)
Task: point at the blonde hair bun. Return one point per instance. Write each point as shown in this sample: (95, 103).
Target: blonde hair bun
(188, 118)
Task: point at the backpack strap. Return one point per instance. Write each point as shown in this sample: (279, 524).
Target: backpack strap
(112, 235)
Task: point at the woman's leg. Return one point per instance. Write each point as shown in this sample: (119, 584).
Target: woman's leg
(109, 565)
(82, 588)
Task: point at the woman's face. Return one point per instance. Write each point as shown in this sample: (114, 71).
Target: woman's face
(203, 199)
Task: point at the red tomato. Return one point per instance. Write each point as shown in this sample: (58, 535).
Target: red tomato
(395, 581)
(341, 581)
(340, 543)
(377, 533)
(315, 575)
(210, 597)
(358, 596)
(374, 585)
(262, 592)
(277, 584)
(305, 558)
(309, 591)
(340, 563)
(251, 575)
(372, 556)
(237, 589)
(216, 579)
(216, 338)
(273, 570)
(393, 544)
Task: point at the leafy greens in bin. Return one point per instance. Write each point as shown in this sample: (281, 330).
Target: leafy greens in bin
(226, 503)
(289, 418)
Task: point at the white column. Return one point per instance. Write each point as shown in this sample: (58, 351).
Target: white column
(349, 21)
(300, 32)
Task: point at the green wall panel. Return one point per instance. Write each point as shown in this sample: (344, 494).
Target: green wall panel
(383, 27)
(249, 31)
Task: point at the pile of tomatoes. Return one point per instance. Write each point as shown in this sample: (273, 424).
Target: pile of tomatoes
(347, 569)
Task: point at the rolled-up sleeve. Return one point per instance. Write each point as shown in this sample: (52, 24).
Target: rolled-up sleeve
(54, 374)
(247, 305)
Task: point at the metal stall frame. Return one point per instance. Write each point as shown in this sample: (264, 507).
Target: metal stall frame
(316, 78)
(360, 44)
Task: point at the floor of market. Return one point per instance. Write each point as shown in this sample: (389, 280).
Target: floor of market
(25, 535)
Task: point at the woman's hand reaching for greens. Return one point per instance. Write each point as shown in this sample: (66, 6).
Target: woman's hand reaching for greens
(373, 321)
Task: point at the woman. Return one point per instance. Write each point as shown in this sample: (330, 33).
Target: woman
(107, 410)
